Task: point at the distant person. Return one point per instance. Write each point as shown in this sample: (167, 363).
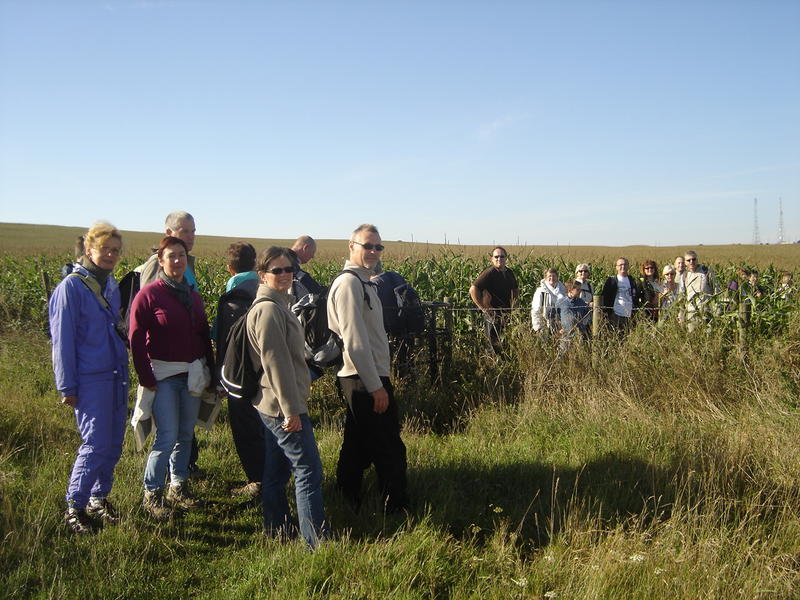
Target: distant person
(669, 293)
(697, 287)
(495, 292)
(171, 348)
(90, 362)
(372, 424)
(651, 289)
(304, 248)
(246, 426)
(680, 270)
(544, 311)
(755, 288)
(574, 316)
(277, 345)
(621, 296)
(786, 287)
(582, 273)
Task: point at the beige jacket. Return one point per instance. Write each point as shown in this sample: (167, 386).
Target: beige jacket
(366, 347)
(276, 341)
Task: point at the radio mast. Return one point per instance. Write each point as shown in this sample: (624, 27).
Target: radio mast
(780, 221)
(756, 235)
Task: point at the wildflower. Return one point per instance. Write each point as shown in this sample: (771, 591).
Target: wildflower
(636, 557)
(521, 582)
(551, 594)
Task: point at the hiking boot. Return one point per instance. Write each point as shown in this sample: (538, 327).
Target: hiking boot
(102, 509)
(179, 496)
(78, 521)
(251, 490)
(153, 504)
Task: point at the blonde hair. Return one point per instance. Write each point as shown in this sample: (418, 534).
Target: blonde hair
(99, 233)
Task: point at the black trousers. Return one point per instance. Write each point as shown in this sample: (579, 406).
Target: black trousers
(248, 437)
(371, 439)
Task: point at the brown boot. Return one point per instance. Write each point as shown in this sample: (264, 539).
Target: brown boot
(153, 503)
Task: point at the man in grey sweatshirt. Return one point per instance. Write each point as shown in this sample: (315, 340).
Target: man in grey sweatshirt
(372, 425)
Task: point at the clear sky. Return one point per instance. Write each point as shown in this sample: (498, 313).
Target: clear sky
(570, 122)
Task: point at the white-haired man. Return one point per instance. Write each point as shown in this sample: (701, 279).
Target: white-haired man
(179, 224)
(699, 282)
(372, 426)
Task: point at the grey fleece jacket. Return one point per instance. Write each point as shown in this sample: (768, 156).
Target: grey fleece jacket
(366, 347)
(276, 342)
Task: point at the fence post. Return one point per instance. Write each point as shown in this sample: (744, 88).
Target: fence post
(448, 336)
(46, 284)
(596, 315)
(745, 308)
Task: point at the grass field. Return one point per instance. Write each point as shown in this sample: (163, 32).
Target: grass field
(667, 466)
(49, 239)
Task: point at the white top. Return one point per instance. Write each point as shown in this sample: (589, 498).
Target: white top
(623, 303)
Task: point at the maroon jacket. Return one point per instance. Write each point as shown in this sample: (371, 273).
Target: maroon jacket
(162, 328)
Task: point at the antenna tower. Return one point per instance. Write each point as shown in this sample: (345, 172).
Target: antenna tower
(756, 236)
(780, 221)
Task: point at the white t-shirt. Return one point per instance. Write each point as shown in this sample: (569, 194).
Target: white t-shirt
(623, 303)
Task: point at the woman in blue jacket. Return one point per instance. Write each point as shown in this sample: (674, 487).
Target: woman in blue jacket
(90, 363)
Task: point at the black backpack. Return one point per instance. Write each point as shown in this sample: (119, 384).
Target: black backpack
(230, 307)
(402, 308)
(323, 348)
(128, 288)
(237, 374)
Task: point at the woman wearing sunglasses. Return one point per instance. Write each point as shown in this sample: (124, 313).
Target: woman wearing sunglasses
(277, 346)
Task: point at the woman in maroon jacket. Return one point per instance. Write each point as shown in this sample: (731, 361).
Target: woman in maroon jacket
(171, 350)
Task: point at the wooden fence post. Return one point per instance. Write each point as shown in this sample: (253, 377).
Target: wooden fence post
(597, 315)
(448, 336)
(46, 284)
(745, 308)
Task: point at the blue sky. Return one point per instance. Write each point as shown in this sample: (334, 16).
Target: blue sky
(601, 123)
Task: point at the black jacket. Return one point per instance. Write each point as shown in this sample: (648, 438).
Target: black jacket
(610, 293)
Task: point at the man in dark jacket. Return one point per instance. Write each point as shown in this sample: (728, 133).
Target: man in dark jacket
(621, 296)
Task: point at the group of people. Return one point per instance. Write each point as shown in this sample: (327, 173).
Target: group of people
(170, 341)
(563, 308)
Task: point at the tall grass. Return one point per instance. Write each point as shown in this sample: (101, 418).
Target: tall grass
(664, 466)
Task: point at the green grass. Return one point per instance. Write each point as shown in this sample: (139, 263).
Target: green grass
(647, 481)
(664, 467)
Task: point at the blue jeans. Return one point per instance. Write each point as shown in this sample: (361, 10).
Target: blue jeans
(175, 413)
(286, 453)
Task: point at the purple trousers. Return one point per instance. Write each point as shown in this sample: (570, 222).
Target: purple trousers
(101, 413)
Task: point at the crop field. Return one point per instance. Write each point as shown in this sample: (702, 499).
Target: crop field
(664, 465)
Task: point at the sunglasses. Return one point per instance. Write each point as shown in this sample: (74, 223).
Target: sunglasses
(583, 270)
(368, 246)
(279, 270)
(500, 256)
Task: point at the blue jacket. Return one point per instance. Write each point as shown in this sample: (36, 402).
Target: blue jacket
(574, 313)
(86, 345)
